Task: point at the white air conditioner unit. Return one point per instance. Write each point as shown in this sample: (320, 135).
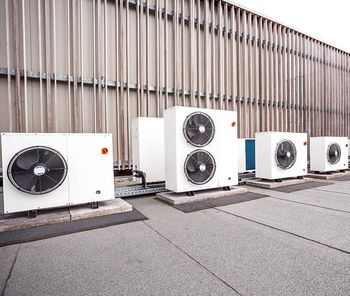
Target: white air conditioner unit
(148, 147)
(280, 155)
(53, 170)
(200, 149)
(328, 154)
(246, 155)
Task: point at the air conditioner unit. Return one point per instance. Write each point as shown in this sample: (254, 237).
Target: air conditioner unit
(280, 155)
(200, 149)
(246, 155)
(53, 170)
(328, 154)
(148, 147)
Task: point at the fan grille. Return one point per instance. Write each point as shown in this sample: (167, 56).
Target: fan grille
(37, 170)
(199, 167)
(199, 129)
(286, 154)
(333, 153)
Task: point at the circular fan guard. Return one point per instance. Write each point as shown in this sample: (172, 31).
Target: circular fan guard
(37, 170)
(199, 129)
(333, 153)
(199, 167)
(286, 154)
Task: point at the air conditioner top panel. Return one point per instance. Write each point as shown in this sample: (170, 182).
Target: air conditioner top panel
(195, 109)
(329, 137)
(54, 134)
(279, 133)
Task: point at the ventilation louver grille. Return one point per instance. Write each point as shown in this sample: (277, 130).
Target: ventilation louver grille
(37, 170)
(285, 154)
(199, 129)
(333, 153)
(199, 167)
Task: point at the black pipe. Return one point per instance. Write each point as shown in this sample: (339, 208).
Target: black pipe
(142, 175)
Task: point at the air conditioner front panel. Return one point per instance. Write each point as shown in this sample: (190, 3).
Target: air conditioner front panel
(16, 200)
(178, 147)
(268, 151)
(89, 170)
(320, 158)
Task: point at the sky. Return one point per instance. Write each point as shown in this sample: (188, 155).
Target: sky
(328, 21)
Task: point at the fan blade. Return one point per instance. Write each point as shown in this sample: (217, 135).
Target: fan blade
(26, 181)
(192, 132)
(38, 185)
(55, 175)
(47, 182)
(27, 160)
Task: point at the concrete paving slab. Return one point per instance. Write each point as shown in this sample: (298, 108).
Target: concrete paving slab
(182, 198)
(109, 207)
(129, 259)
(269, 184)
(338, 187)
(329, 176)
(254, 259)
(327, 227)
(329, 200)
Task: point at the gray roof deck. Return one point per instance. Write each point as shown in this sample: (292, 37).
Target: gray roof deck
(287, 244)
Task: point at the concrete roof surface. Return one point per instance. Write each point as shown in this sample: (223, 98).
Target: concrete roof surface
(286, 244)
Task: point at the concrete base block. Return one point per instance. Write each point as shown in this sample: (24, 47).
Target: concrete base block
(105, 208)
(11, 222)
(181, 198)
(269, 184)
(17, 221)
(328, 176)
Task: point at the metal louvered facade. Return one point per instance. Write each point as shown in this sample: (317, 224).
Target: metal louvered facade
(93, 65)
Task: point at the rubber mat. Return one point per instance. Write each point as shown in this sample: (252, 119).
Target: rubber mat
(218, 202)
(53, 230)
(302, 186)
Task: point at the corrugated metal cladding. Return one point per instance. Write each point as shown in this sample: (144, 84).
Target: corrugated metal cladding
(92, 66)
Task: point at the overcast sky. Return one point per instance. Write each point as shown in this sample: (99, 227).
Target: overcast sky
(325, 20)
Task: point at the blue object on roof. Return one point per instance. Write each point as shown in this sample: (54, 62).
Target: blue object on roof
(250, 154)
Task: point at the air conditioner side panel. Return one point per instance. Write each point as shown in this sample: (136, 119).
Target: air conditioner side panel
(227, 148)
(241, 155)
(263, 156)
(318, 154)
(148, 147)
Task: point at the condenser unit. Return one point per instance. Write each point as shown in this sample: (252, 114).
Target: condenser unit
(328, 154)
(53, 170)
(280, 155)
(148, 147)
(200, 149)
(246, 155)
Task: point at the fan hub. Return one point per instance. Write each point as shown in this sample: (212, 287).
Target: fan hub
(39, 170)
(201, 129)
(202, 167)
(289, 154)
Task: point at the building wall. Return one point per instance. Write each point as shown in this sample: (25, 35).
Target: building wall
(93, 65)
